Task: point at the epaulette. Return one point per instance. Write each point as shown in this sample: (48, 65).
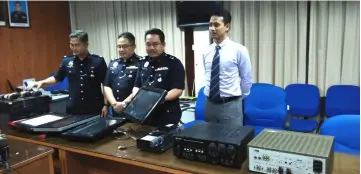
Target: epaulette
(140, 57)
(170, 56)
(66, 57)
(97, 56)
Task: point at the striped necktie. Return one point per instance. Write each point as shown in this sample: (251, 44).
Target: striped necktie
(214, 92)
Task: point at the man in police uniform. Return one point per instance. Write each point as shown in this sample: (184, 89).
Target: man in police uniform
(121, 74)
(164, 71)
(85, 73)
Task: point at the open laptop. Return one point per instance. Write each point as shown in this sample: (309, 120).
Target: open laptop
(137, 111)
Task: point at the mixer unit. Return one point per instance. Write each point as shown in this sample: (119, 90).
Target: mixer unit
(286, 152)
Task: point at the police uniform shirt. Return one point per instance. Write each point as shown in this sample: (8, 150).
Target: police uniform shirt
(165, 72)
(121, 76)
(85, 78)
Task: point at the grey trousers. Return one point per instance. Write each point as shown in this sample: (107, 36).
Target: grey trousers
(224, 113)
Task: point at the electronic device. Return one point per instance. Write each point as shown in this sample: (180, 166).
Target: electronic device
(94, 130)
(196, 13)
(55, 122)
(214, 143)
(287, 152)
(159, 140)
(22, 108)
(143, 104)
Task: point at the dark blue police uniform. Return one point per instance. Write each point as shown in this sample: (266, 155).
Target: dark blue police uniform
(85, 78)
(165, 72)
(121, 74)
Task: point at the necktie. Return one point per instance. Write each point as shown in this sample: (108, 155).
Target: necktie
(214, 92)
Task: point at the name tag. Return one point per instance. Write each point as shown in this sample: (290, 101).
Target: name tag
(161, 69)
(131, 67)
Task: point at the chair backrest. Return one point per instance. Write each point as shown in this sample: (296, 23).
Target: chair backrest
(304, 96)
(265, 106)
(265, 96)
(200, 104)
(346, 130)
(342, 99)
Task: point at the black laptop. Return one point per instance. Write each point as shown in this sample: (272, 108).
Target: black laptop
(55, 122)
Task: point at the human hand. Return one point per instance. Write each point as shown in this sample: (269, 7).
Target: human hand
(105, 111)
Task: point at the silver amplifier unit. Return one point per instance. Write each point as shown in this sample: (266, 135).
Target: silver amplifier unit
(286, 152)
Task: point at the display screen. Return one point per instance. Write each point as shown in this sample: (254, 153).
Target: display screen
(41, 120)
(141, 105)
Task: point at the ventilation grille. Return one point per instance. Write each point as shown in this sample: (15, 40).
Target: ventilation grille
(294, 142)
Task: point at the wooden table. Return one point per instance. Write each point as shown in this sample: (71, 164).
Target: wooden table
(104, 157)
(28, 158)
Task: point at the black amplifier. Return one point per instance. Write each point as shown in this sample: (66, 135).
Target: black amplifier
(20, 108)
(214, 143)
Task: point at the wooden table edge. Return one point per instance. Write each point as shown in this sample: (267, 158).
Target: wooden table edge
(102, 156)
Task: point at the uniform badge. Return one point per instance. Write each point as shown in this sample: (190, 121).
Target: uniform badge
(70, 64)
(160, 79)
(115, 64)
(146, 64)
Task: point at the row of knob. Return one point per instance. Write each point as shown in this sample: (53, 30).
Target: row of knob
(221, 149)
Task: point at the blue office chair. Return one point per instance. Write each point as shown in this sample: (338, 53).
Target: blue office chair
(199, 109)
(342, 99)
(64, 85)
(265, 107)
(303, 101)
(346, 130)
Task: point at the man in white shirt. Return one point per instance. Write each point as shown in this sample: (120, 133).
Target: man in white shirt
(228, 73)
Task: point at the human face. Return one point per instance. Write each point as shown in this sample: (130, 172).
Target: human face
(125, 48)
(79, 48)
(217, 28)
(153, 45)
(17, 7)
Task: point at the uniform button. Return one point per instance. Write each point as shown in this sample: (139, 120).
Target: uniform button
(81, 84)
(81, 71)
(118, 84)
(81, 91)
(121, 71)
(117, 90)
(92, 72)
(82, 98)
(81, 78)
(112, 72)
(152, 66)
(151, 75)
(117, 98)
(81, 64)
(69, 98)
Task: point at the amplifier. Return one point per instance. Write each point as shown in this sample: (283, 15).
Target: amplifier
(20, 108)
(214, 143)
(286, 152)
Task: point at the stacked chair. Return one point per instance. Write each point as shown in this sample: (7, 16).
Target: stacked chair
(341, 100)
(265, 107)
(346, 130)
(303, 100)
(199, 108)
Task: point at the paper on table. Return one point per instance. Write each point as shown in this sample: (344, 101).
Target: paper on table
(41, 120)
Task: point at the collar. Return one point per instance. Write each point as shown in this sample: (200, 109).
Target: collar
(131, 59)
(84, 60)
(223, 43)
(159, 58)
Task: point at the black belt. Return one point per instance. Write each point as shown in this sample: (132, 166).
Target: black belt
(223, 99)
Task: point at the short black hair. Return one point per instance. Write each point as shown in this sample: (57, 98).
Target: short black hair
(79, 34)
(17, 2)
(129, 36)
(157, 32)
(227, 18)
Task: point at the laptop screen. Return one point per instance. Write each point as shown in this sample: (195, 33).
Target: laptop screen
(144, 102)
